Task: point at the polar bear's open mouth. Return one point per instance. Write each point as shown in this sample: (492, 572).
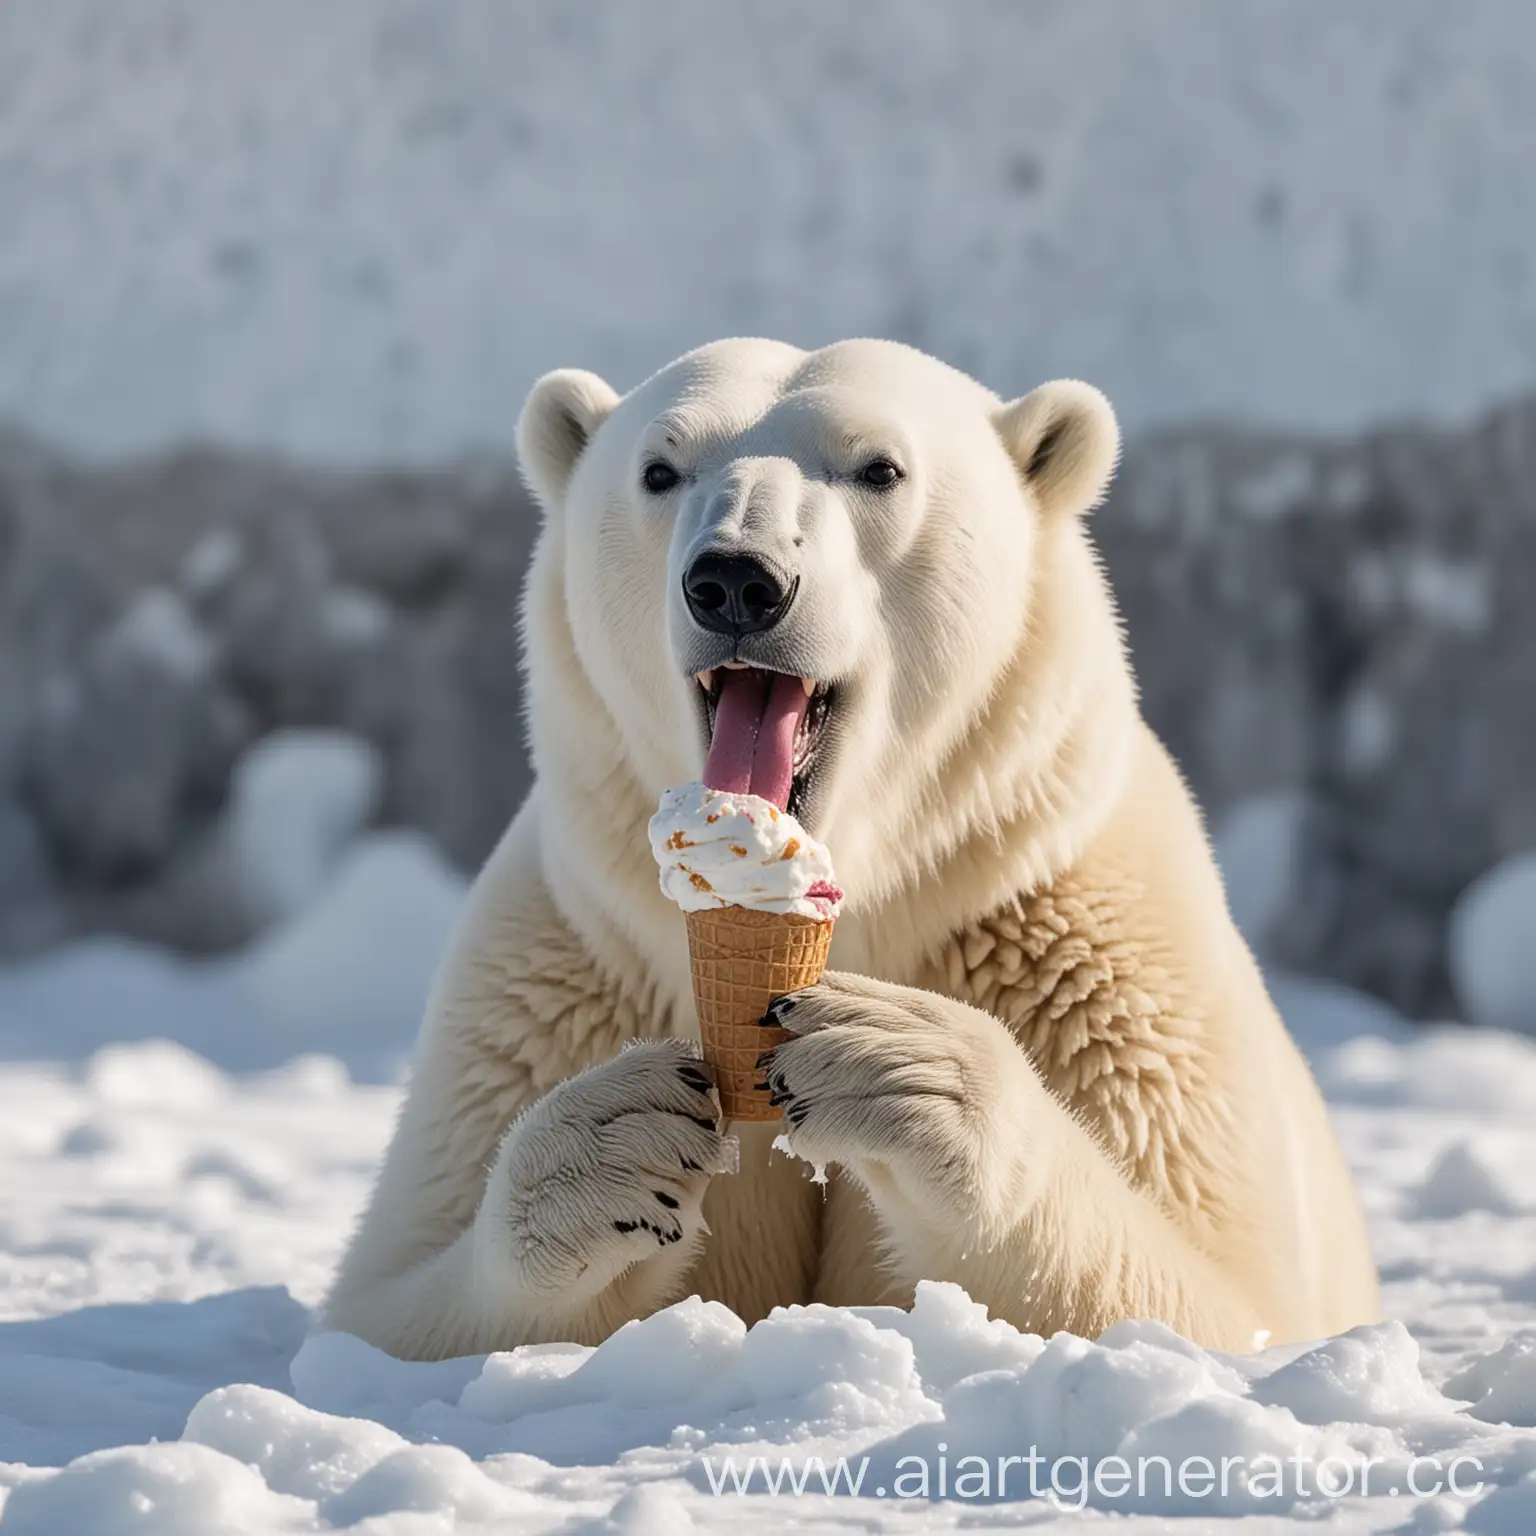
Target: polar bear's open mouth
(764, 731)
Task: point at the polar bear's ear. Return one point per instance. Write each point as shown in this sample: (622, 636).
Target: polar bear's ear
(564, 409)
(1064, 438)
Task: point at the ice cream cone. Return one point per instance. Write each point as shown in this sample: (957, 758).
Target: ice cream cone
(742, 960)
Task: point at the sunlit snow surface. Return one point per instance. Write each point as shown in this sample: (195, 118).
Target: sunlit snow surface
(166, 1223)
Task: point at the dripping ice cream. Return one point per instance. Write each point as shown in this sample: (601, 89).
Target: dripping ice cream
(756, 889)
(720, 848)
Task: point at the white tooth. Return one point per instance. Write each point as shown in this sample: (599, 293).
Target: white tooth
(737, 666)
(809, 684)
(706, 680)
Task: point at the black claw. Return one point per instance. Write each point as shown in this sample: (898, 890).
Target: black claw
(779, 1097)
(695, 1078)
(665, 1199)
(691, 1166)
(796, 1113)
(765, 1060)
(782, 1005)
(626, 1227)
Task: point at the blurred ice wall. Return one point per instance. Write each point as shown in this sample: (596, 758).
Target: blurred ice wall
(357, 229)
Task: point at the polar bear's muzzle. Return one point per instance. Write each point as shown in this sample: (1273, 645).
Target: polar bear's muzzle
(736, 594)
(765, 729)
(763, 723)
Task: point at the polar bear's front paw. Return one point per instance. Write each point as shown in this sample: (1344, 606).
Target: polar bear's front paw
(606, 1172)
(922, 1099)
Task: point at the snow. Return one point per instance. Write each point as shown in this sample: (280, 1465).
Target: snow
(359, 231)
(159, 629)
(297, 800)
(184, 1145)
(1257, 845)
(388, 908)
(212, 562)
(1276, 489)
(1492, 958)
(1482, 1173)
(316, 229)
(1501, 1387)
(354, 616)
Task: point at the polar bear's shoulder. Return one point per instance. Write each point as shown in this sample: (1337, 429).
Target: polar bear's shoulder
(1119, 977)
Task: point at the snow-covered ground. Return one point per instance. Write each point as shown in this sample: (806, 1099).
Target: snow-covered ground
(183, 1147)
(360, 229)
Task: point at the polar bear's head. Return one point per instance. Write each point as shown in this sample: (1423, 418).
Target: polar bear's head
(839, 577)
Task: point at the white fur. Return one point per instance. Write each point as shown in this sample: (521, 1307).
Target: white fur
(1046, 1068)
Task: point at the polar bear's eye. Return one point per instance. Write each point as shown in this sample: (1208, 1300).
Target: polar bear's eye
(880, 473)
(659, 477)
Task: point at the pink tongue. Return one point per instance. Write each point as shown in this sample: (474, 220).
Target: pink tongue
(753, 748)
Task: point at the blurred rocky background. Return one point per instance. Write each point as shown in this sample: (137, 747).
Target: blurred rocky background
(351, 235)
(1333, 637)
(158, 619)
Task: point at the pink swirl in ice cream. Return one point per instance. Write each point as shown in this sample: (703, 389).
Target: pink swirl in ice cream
(718, 848)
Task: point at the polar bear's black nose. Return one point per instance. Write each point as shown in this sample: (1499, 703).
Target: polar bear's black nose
(735, 594)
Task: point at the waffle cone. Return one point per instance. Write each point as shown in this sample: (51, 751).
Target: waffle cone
(742, 960)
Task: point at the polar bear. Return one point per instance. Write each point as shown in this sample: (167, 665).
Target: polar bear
(1043, 1064)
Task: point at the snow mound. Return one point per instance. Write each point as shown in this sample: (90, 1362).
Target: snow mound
(1321, 1014)
(1368, 1375)
(348, 974)
(1439, 1068)
(182, 1489)
(683, 1408)
(1492, 958)
(355, 972)
(1505, 1512)
(1501, 1387)
(297, 801)
(1258, 846)
(159, 630)
(1480, 1173)
(104, 1375)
